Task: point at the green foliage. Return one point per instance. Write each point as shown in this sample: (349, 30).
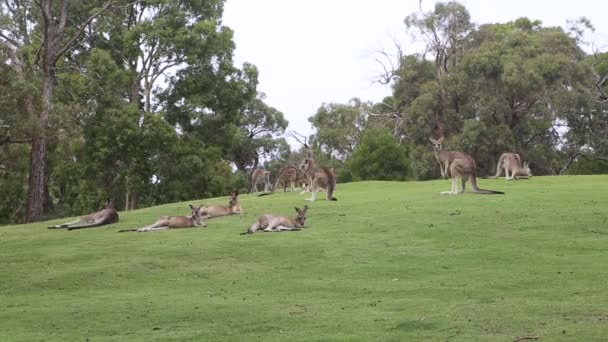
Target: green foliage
(379, 157)
(13, 182)
(259, 126)
(588, 166)
(339, 127)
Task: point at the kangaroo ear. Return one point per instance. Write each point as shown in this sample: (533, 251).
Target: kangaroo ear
(236, 193)
(297, 210)
(433, 140)
(305, 208)
(191, 206)
(440, 140)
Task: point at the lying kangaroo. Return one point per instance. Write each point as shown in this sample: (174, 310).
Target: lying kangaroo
(107, 215)
(511, 163)
(460, 165)
(173, 222)
(233, 207)
(274, 223)
(257, 176)
(318, 176)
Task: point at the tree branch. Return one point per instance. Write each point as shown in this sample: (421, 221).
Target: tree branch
(80, 31)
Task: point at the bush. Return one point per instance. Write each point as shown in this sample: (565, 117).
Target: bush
(379, 157)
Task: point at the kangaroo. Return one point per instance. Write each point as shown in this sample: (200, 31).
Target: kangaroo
(233, 207)
(107, 215)
(173, 222)
(460, 165)
(511, 163)
(275, 223)
(288, 176)
(317, 177)
(444, 158)
(257, 176)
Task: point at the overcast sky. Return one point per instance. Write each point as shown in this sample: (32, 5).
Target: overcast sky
(315, 51)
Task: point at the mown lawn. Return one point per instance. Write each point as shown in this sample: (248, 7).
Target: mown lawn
(388, 261)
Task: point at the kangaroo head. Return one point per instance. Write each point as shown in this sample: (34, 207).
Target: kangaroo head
(196, 214)
(234, 198)
(108, 204)
(308, 161)
(301, 218)
(437, 144)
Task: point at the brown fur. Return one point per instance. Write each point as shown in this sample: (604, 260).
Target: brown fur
(107, 215)
(318, 177)
(460, 165)
(173, 222)
(288, 175)
(277, 223)
(260, 175)
(233, 207)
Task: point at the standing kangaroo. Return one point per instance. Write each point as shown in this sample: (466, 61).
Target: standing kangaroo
(288, 175)
(318, 176)
(173, 222)
(511, 163)
(460, 165)
(275, 223)
(233, 207)
(107, 215)
(257, 176)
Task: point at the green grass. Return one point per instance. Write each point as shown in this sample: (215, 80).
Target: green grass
(388, 261)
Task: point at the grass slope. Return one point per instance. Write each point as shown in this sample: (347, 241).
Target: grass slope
(388, 261)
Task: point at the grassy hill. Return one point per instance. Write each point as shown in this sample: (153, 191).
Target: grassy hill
(388, 261)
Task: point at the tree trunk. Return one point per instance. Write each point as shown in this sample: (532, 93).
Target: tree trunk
(35, 195)
(134, 199)
(38, 153)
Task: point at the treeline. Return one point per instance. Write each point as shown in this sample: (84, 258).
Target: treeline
(138, 101)
(516, 86)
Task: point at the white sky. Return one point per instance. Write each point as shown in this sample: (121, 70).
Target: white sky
(315, 51)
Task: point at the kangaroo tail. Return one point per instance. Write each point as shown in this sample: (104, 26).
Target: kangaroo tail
(331, 184)
(59, 226)
(245, 233)
(127, 230)
(477, 190)
(266, 193)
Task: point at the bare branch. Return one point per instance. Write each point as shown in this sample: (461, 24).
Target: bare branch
(82, 28)
(63, 17)
(9, 40)
(299, 138)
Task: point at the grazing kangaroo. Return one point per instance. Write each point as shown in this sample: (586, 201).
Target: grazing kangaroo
(173, 222)
(107, 215)
(233, 207)
(460, 165)
(318, 176)
(275, 223)
(257, 176)
(511, 163)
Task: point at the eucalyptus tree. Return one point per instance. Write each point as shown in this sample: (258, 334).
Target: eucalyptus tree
(37, 36)
(444, 30)
(260, 126)
(339, 127)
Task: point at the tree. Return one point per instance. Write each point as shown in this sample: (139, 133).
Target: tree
(379, 157)
(444, 30)
(339, 127)
(259, 127)
(20, 21)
